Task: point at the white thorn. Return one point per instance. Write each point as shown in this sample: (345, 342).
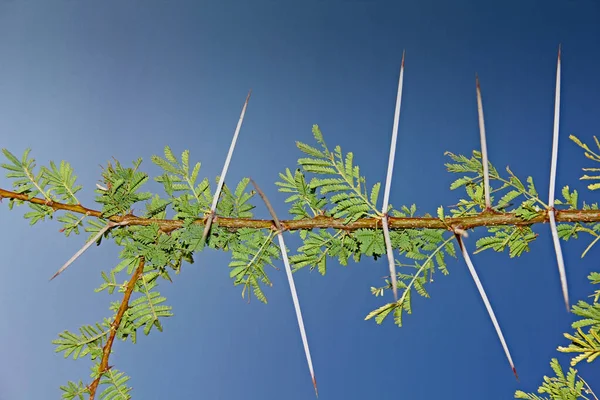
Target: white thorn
(484, 155)
(213, 207)
(553, 168)
(388, 183)
(488, 306)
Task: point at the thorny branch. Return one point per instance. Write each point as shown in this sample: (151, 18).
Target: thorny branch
(486, 218)
(106, 350)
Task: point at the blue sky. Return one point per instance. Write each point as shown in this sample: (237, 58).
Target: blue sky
(86, 81)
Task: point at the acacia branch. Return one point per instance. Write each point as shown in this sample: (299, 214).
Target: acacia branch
(106, 350)
(485, 218)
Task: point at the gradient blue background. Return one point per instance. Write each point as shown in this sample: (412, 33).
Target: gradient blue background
(85, 81)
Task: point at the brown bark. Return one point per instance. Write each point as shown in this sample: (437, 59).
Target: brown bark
(486, 218)
(106, 350)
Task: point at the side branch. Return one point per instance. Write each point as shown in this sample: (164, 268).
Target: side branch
(106, 350)
(485, 218)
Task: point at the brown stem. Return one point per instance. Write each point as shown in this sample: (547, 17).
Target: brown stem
(320, 221)
(106, 350)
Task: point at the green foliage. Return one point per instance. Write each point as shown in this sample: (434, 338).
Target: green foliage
(52, 184)
(509, 188)
(303, 195)
(161, 251)
(336, 182)
(592, 156)
(512, 196)
(89, 342)
(115, 385)
(336, 189)
(147, 309)
(322, 244)
(335, 175)
(25, 179)
(561, 387)
(62, 182)
(571, 198)
(122, 185)
(250, 255)
(412, 280)
(585, 343)
(74, 391)
(516, 238)
(327, 184)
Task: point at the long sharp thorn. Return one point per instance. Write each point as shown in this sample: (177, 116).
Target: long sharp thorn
(290, 278)
(388, 183)
(484, 155)
(84, 248)
(488, 306)
(213, 207)
(559, 257)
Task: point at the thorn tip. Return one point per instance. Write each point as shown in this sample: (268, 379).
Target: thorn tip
(559, 50)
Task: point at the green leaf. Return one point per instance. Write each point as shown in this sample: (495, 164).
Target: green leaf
(375, 193)
(311, 151)
(74, 391)
(440, 212)
(381, 313)
(560, 387)
(90, 341)
(115, 383)
(371, 242)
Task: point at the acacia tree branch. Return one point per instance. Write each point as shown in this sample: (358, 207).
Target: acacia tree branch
(486, 218)
(106, 350)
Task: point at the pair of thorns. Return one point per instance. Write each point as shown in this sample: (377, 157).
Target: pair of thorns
(384, 216)
(459, 233)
